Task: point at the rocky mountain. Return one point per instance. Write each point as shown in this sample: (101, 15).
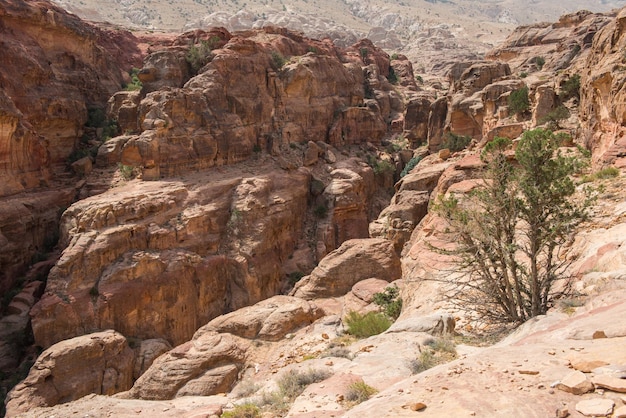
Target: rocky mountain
(181, 238)
(429, 32)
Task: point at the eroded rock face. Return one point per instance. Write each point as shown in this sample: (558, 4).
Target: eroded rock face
(158, 260)
(207, 365)
(259, 90)
(354, 261)
(270, 319)
(100, 363)
(602, 108)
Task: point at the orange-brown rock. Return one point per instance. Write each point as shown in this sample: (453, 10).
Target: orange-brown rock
(602, 109)
(207, 365)
(270, 319)
(100, 363)
(353, 261)
(160, 259)
(259, 90)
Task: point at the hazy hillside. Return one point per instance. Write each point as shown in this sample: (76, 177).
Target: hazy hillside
(429, 32)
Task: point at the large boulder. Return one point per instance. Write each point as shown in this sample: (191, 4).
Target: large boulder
(355, 260)
(270, 319)
(100, 363)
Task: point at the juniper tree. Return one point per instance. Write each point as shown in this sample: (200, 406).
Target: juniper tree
(510, 230)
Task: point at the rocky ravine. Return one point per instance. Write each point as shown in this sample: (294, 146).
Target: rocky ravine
(232, 209)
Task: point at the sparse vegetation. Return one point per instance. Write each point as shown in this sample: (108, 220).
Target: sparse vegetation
(435, 351)
(392, 77)
(294, 277)
(555, 116)
(540, 61)
(277, 60)
(337, 351)
(135, 83)
(413, 162)
(605, 173)
(518, 101)
(200, 54)
(292, 383)
(366, 325)
(510, 231)
(570, 88)
(455, 142)
(126, 171)
(321, 211)
(390, 301)
(359, 392)
(246, 410)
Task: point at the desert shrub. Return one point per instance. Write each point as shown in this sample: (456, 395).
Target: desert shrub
(392, 77)
(555, 116)
(570, 88)
(435, 351)
(246, 410)
(523, 74)
(394, 56)
(126, 171)
(198, 55)
(410, 166)
(455, 142)
(135, 83)
(389, 300)
(382, 167)
(342, 352)
(292, 383)
(277, 60)
(321, 211)
(295, 277)
(363, 326)
(540, 61)
(518, 101)
(359, 392)
(605, 173)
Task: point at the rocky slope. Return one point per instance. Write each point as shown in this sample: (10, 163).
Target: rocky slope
(249, 165)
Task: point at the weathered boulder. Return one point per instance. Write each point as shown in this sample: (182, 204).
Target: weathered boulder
(270, 319)
(437, 324)
(147, 352)
(354, 261)
(576, 383)
(100, 363)
(207, 365)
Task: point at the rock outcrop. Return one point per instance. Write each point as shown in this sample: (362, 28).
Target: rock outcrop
(353, 261)
(100, 363)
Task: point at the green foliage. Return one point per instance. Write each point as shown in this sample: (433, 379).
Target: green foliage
(518, 101)
(419, 78)
(570, 88)
(126, 171)
(394, 56)
(510, 231)
(455, 142)
(359, 392)
(523, 74)
(413, 162)
(390, 301)
(199, 55)
(364, 52)
(277, 60)
(246, 410)
(435, 351)
(540, 61)
(603, 174)
(392, 77)
(321, 211)
(135, 83)
(363, 326)
(383, 167)
(554, 116)
(292, 383)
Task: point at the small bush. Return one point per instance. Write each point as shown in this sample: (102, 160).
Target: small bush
(455, 142)
(425, 361)
(382, 167)
(518, 101)
(435, 351)
(410, 166)
(363, 326)
(540, 61)
(246, 410)
(292, 383)
(390, 301)
(555, 116)
(605, 173)
(392, 77)
(359, 392)
(394, 56)
(200, 54)
(321, 211)
(135, 83)
(295, 277)
(523, 74)
(570, 88)
(126, 171)
(277, 60)
(342, 352)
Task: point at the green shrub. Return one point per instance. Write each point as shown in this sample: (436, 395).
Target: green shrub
(410, 166)
(246, 410)
(392, 77)
(605, 173)
(570, 88)
(394, 56)
(198, 55)
(523, 74)
(455, 142)
(540, 61)
(135, 83)
(390, 301)
(518, 101)
(363, 326)
(555, 116)
(383, 167)
(435, 351)
(277, 60)
(292, 383)
(126, 171)
(359, 392)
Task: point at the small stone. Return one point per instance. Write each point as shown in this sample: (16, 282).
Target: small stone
(418, 406)
(595, 407)
(598, 334)
(562, 413)
(530, 372)
(576, 383)
(620, 412)
(610, 383)
(444, 154)
(325, 336)
(329, 363)
(588, 366)
(551, 352)
(339, 398)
